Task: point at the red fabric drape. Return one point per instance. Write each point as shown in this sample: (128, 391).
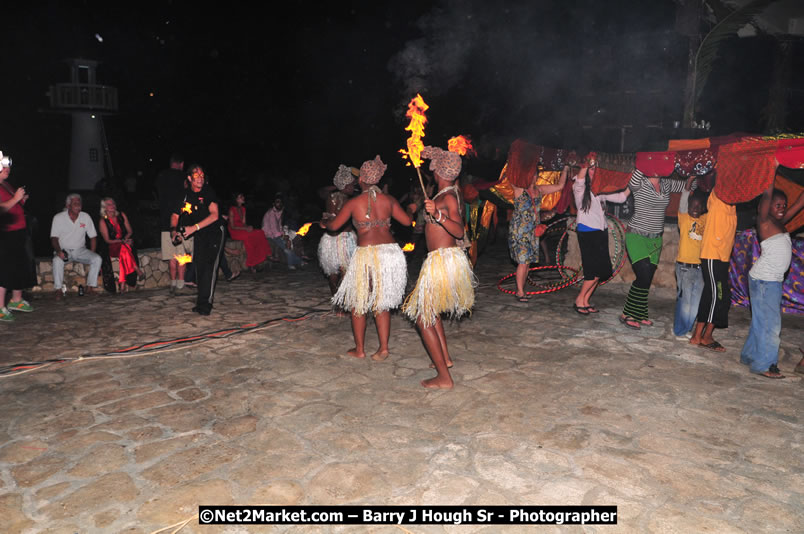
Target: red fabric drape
(523, 162)
(745, 169)
(608, 181)
(790, 153)
(122, 252)
(694, 162)
(656, 163)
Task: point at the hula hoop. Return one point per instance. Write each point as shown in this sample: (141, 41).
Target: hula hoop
(618, 233)
(537, 268)
(567, 280)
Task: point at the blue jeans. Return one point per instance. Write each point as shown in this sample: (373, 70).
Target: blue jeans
(292, 259)
(689, 281)
(761, 349)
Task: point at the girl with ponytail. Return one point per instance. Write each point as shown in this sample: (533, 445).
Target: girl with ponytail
(593, 235)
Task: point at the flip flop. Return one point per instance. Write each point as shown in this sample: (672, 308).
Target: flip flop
(775, 374)
(592, 309)
(713, 346)
(646, 322)
(582, 310)
(523, 298)
(630, 323)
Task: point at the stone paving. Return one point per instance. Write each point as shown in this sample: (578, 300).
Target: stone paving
(549, 407)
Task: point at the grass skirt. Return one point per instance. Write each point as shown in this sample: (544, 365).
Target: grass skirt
(375, 280)
(446, 284)
(335, 251)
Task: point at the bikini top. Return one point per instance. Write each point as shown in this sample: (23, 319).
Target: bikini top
(372, 223)
(376, 223)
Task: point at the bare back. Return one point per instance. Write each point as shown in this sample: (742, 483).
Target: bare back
(372, 228)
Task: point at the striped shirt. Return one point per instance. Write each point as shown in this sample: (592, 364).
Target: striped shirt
(649, 204)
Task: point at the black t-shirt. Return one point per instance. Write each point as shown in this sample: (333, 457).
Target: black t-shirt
(198, 207)
(170, 188)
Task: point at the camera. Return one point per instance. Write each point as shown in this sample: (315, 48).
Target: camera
(5, 161)
(176, 240)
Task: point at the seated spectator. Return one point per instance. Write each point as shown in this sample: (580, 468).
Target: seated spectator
(254, 241)
(116, 232)
(68, 234)
(272, 227)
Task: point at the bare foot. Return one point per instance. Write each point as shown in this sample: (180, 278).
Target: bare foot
(694, 341)
(449, 365)
(353, 352)
(438, 383)
(380, 355)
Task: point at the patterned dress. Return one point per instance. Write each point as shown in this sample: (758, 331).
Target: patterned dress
(523, 244)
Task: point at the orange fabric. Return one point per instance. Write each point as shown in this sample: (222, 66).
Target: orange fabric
(549, 178)
(608, 181)
(745, 169)
(687, 144)
(792, 190)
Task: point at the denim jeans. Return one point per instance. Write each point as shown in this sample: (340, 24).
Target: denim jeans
(689, 281)
(761, 349)
(280, 244)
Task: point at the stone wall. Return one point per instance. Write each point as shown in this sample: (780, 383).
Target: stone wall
(156, 270)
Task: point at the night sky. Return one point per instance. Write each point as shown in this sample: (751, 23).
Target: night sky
(289, 94)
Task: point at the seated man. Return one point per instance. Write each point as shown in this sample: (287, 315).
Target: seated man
(68, 235)
(274, 231)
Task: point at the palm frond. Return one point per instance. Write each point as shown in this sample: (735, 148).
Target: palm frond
(726, 28)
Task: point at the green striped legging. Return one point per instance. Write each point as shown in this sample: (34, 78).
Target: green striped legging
(644, 254)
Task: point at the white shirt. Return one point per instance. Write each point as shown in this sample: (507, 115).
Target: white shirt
(596, 216)
(72, 234)
(774, 260)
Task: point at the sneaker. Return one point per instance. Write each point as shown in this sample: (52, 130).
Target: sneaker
(6, 316)
(20, 306)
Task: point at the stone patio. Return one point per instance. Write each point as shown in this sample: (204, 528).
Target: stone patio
(550, 407)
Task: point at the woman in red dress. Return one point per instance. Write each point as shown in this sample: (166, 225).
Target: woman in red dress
(116, 232)
(254, 241)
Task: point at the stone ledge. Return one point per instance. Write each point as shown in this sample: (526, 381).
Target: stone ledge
(156, 270)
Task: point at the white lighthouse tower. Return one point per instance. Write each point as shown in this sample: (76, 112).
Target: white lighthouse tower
(87, 102)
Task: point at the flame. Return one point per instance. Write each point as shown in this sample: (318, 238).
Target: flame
(461, 145)
(187, 208)
(408, 247)
(304, 229)
(183, 258)
(415, 113)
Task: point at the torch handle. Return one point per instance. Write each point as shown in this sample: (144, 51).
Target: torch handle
(421, 182)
